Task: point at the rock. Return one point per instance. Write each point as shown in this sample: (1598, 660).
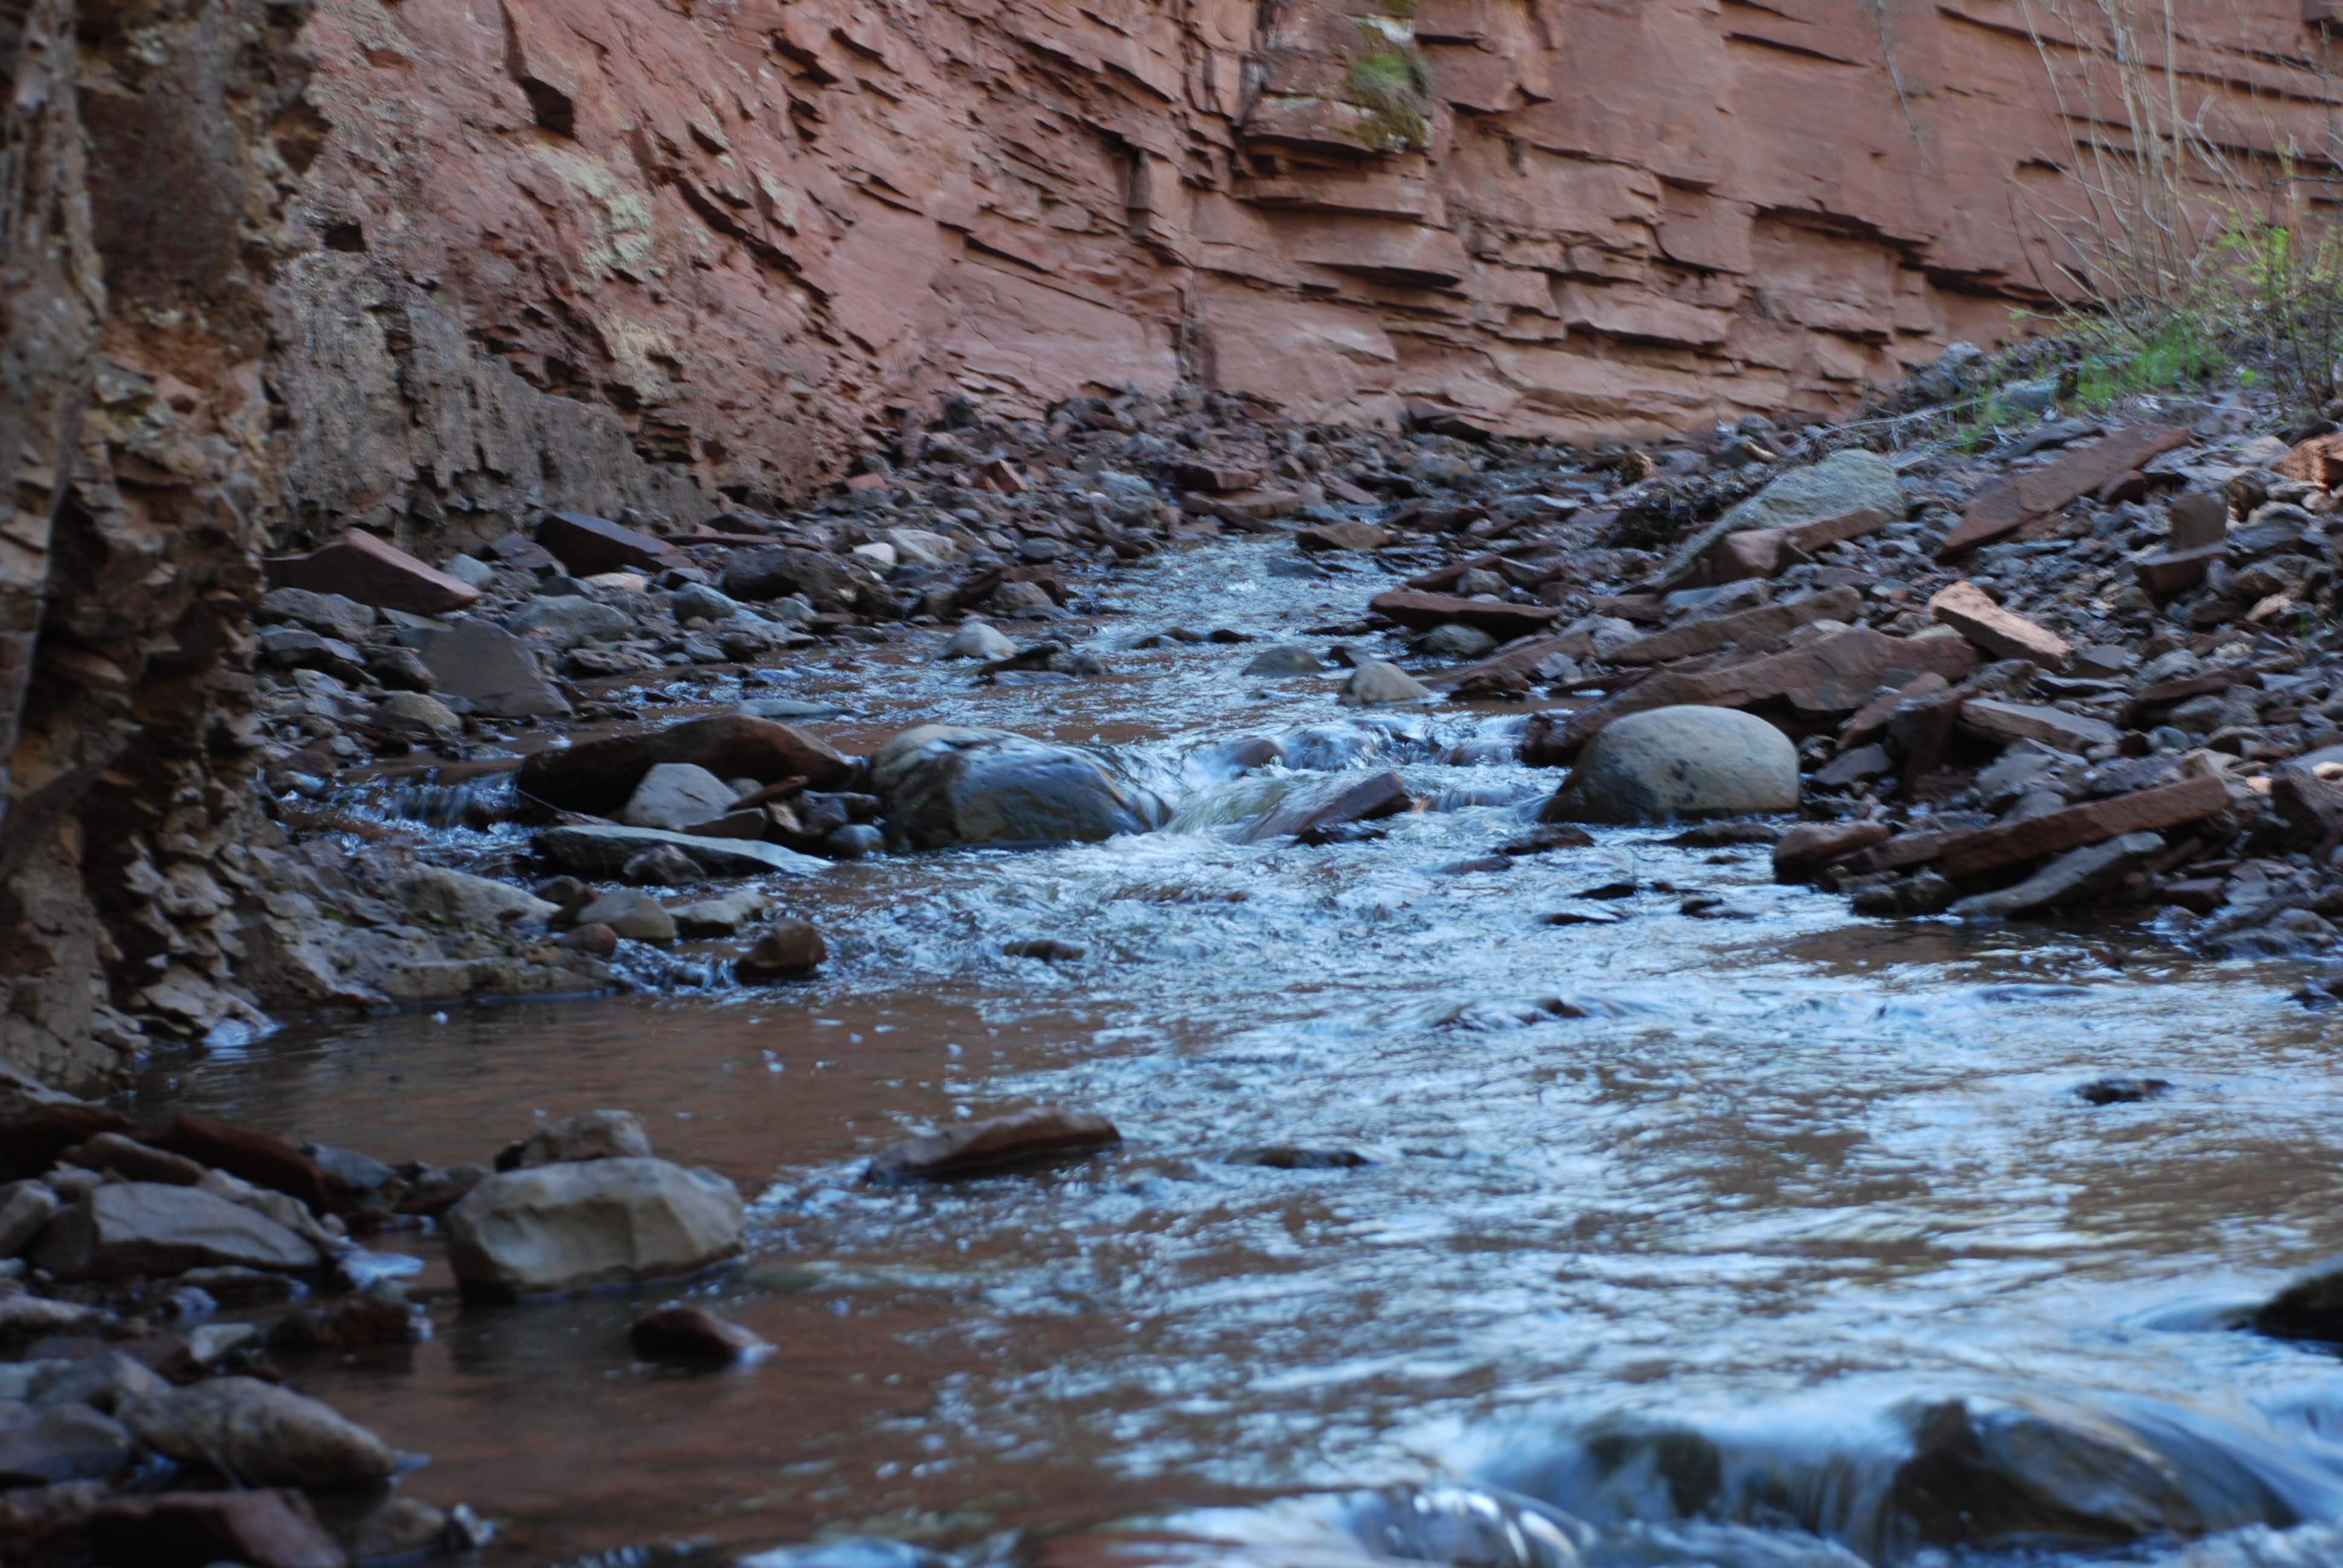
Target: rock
(1456, 641)
(854, 841)
(1048, 950)
(1800, 854)
(976, 639)
(598, 851)
(599, 776)
(1340, 536)
(1421, 611)
(125, 1229)
(2121, 1090)
(39, 1447)
(591, 1135)
(2073, 875)
(565, 620)
(1983, 849)
(2052, 726)
(25, 1208)
(781, 569)
(1044, 1134)
(945, 786)
(133, 1161)
(380, 1314)
(676, 796)
(372, 571)
(564, 1227)
(916, 546)
(661, 866)
(789, 950)
(2197, 521)
(1311, 805)
(720, 915)
(488, 667)
(596, 940)
(1839, 484)
(2005, 506)
(697, 601)
(248, 1154)
(1376, 683)
(2311, 1308)
(434, 892)
(638, 917)
(24, 1317)
(2175, 571)
(1290, 660)
(326, 614)
(1680, 762)
(588, 545)
(692, 1336)
(266, 1529)
(1300, 1157)
(469, 569)
(260, 1434)
(1758, 630)
(1968, 610)
(415, 713)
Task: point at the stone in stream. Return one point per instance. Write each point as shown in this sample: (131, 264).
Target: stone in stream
(1301, 1157)
(595, 940)
(600, 851)
(1291, 658)
(789, 950)
(1377, 682)
(568, 1226)
(125, 1229)
(945, 786)
(599, 776)
(261, 1435)
(2075, 875)
(722, 915)
(2121, 1090)
(1800, 854)
(1314, 805)
(69, 1442)
(589, 1135)
(661, 866)
(978, 639)
(1042, 1135)
(259, 1529)
(692, 1336)
(1457, 640)
(250, 1154)
(676, 796)
(436, 893)
(1669, 762)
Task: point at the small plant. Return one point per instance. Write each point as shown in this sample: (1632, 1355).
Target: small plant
(1391, 82)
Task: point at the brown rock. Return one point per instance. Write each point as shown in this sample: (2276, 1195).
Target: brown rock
(595, 940)
(1800, 854)
(1762, 552)
(1315, 805)
(372, 571)
(1423, 611)
(1758, 630)
(1342, 536)
(262, 1159)
(2005, 634)
(2017, 500)
(31, 1143)
(1038, 1136)
(271, 1529)
(2053, 727)
(1217, 477)
(2175, 571)
(1870, 720)
(2318, 460)
(789, 950)
(1991, 849)
(2199, 520)
(587, 545)
(691, 1335)
(598, 775)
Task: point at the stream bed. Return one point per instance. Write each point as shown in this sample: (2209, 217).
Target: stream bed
(1654, 1216)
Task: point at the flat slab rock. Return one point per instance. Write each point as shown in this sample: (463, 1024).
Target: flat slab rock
(1313, 804)
(125, 1229)
(1038, 1136)
(598, 851)
(1423, 611)
(2005, 507)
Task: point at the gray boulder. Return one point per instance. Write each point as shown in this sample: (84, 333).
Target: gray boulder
(488, 668)
(566, 620)
(635, 916)
(39, 1447)
(675, 795)
(1457, 640)
(436, 893)
(129, 1228)
(260, 1434)
(1675, 762)
(976, 639)
(25, 1208)
(1841, 483)
(697, 601)
(946, 786)
(1291, 658)
(1376, 683)
(598, 851)
(563, 1227)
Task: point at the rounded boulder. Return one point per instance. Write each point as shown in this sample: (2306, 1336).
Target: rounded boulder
(1675, 762)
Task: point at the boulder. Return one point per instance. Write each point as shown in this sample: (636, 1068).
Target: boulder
(599, 776)
(720, 915)
(597, 851)
(372, 572)
(587, 545)
(125, 1228)
(697, 601)
(563, 1227)
(1376, 683)
(1041, 1135)
(692, 1336)
(1457, 640)
(565, 620)
(488, 668)
(1290, 660)
(259, 1529)
(248, 1154)
(261, 1435)
(589, 1135)
(1311, 805)
(25, 1208)
(638, 917)
(676, 796)
(789, 950)
(2077, 874)
(413, 713)
(945, 786)
(976, 640)
(1671, 762)
(326, 614)
(1843, 482)
(67, 1441)
(781, 569)
(437, 893)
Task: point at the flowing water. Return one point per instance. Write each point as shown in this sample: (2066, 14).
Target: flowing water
(1680, 1222)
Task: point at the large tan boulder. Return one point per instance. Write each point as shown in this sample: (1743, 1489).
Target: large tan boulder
(565, 1226)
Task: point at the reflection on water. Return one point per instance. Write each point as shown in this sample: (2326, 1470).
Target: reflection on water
(1670, 1225)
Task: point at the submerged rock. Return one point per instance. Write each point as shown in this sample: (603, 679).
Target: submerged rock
(692, 1336)
(1040, 1136)
(563, 1227)
(1376, 683)
(945, 786)
(789, 950)
(1669, 762)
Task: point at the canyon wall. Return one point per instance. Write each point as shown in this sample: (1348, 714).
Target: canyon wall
(272, 267)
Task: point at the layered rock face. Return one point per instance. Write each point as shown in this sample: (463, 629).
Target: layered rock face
(740, 236)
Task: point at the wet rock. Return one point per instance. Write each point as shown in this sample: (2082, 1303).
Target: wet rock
(1972, 854)
(248, 1154)
(2121, 1090)
(600, 776)
(1921, 893)
(380, 1314)
(603, 852)
(1456, 641)
(944, 785)
(1800, 854)
(595, 941)
(435, 892)
(1315, 805)
(431, 1191)
(692, 1336)
(661, 866)
(591, 1135)
(405, 1528)
(1377, 683)
(125, 1228)
(1674, 762)
(855, 842)
(1290, 660)
(264, 1529)
(976, 640)
(1301, 1157)
(636, 917)
(778, 570)
(2077, 874)
(59, 1443)
(412, 712)
(1422, 611)
(1040, 1136)
(789, 950)
(567, 1226)
(1546, 838)
(675, 796)
(261, 1434)
(720, 915)
(29, 1317)
(133, 1160)
(488, 667)
(372, 571)
(566, 620)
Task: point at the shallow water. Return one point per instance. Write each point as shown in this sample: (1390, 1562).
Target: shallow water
(1765, 1177)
